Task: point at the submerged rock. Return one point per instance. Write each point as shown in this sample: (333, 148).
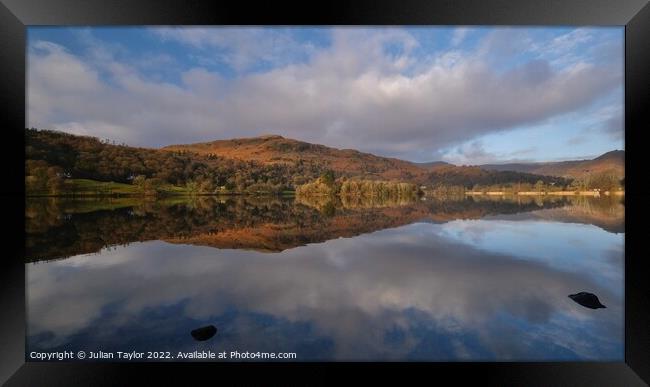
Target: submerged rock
(588, 300)
(204, 333)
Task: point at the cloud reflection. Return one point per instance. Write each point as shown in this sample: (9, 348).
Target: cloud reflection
(404, 293)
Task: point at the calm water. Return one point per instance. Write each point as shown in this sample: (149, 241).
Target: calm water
(435, 280)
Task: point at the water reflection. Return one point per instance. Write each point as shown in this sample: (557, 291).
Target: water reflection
(59, 228)
(415, 281)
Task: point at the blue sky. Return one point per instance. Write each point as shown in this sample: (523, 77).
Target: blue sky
(467, 95)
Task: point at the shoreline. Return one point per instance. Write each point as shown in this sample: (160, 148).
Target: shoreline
(159, 196)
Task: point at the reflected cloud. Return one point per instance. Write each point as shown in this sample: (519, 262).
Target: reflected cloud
(570, 247)
(373, 296)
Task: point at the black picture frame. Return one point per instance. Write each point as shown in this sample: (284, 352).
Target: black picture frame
(15, 15)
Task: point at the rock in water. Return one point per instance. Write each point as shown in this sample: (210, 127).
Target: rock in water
(588, 300)
(204, 333)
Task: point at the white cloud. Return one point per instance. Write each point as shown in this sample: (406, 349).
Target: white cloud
(459, 36)
(367, 91)
(240, 48)
(97, 129)
(570, 40)
(474, 153)
(563, 49)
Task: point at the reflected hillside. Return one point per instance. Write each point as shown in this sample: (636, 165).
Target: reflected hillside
(606, 212)
(59, 228)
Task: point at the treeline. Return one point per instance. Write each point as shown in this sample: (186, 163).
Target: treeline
(42, 177)
(468, 177)
(604, 181)
(327, 185)
(448, 191)
(380, 189)
(52, 157)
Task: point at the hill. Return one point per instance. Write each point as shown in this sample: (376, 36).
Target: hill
(277, 150)
(433, 164)
(52, 158)
(274, 150)
(267, 164)
(613, 162)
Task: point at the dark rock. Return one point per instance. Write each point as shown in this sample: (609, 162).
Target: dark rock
(588, 300)
(204, 333)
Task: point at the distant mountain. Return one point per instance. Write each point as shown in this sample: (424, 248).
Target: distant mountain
(613, 161)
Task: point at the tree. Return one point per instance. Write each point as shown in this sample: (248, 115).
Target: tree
(206, 186)
(55, 180)
(328, 177)
(606, 181)
(37, 175)
(55, 185)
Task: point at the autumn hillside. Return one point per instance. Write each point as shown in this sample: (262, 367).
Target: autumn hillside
(59, 163)
(274, 149)
(613, 162)
(277, 150)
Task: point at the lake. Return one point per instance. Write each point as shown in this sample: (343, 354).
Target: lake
(455, 279)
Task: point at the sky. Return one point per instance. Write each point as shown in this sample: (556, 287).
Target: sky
(465, 95)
